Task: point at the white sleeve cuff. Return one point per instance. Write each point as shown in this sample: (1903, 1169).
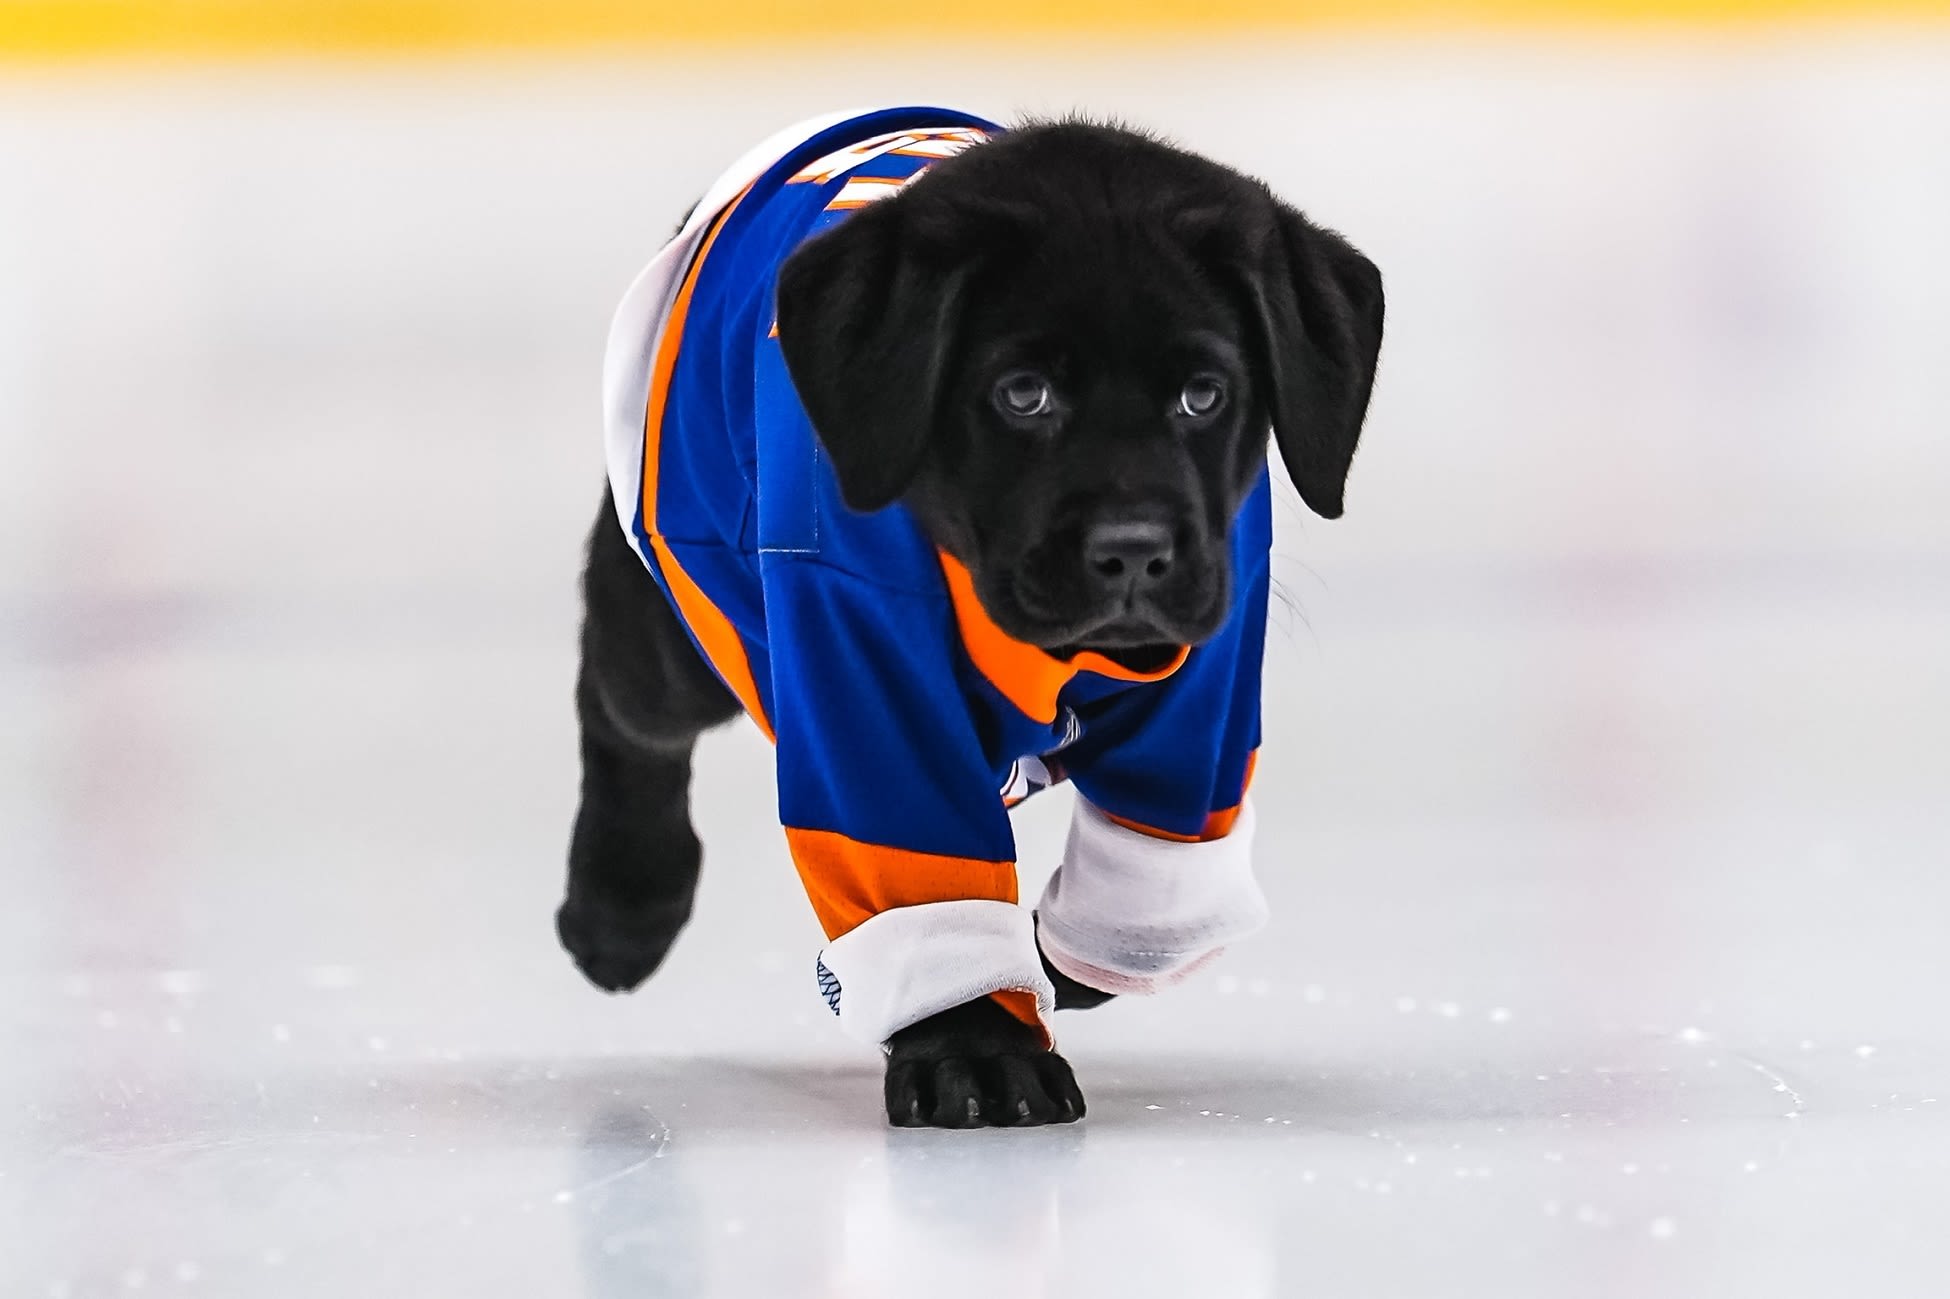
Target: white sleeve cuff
(1129, 913)
(899, 967)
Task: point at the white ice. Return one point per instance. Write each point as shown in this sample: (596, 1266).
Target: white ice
(1603, 799)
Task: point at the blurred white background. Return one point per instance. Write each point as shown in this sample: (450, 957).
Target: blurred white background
(1603, 801)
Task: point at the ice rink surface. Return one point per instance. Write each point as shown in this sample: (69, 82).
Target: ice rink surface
(1605, 804)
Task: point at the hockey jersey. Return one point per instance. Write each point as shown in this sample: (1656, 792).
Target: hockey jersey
(906, 723)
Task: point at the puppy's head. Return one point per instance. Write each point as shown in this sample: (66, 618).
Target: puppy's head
(1063, 350)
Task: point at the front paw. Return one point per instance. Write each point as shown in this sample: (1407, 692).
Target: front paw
(616, 947)
(975, 1065)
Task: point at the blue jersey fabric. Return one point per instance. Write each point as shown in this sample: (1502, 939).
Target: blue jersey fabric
(887, 731)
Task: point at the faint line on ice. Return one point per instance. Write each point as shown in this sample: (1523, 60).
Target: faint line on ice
(1781, 1084)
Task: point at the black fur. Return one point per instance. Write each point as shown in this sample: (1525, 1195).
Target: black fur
(643, 696)
(1118, 273)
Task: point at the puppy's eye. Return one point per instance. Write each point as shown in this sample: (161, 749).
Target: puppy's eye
(1202, 397)
(1024, 394)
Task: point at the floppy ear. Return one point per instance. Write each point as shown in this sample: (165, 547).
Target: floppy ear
(1320, 306)
(867, 314)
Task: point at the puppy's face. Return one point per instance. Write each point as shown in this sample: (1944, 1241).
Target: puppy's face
(1096, 434)
(1064, 349)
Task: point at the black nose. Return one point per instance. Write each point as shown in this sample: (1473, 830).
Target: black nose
(1139, 553)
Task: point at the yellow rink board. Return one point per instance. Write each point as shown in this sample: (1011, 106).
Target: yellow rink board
(32, 30)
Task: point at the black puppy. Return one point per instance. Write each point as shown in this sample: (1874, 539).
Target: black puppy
(1052, 355)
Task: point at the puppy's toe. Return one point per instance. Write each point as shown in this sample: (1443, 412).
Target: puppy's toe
(909, 1099)
(1060, 1082)
(1021, 1097)
(957, 1095)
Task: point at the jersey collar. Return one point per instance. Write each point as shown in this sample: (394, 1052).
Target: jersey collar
(1028, 677)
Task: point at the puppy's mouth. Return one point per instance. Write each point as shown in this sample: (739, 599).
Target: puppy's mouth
(1142, 656)
(1132, 633)
(1141, 631)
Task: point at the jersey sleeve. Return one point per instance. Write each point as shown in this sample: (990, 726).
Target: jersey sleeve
(890, 807)
(1157, 876)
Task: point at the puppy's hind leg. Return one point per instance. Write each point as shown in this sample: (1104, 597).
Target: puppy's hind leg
(643, 696)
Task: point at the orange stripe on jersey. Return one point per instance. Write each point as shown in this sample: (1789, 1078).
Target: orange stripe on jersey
(849, 882)
(859, 193)
(1028, 677)
(707, 622)
(1217, 824)
(1152, 830)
